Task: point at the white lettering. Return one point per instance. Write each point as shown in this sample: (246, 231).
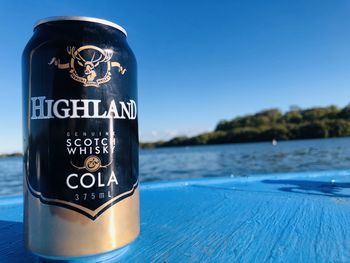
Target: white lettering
(68, 181)
(88, 180)
(125, 109)
(65, 110)
(92, 180)
(104, 141)
(84, 108)
(49, 109)
(113, 110)
(36, 107)
(112, 179)
(42, 108)
(71, 150)
(133, 110)
(99, 180)
(77, 142)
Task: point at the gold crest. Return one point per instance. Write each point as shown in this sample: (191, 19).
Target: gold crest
(92, 163)
(89, 65)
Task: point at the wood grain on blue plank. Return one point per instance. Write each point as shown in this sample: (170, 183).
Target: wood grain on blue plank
(302, 217)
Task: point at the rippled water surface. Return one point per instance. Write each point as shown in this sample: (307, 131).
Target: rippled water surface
(218, 160)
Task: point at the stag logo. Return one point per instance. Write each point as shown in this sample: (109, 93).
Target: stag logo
(89, 65)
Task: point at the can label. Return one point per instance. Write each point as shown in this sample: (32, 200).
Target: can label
(83, 130)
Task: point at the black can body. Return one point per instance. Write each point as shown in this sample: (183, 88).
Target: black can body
(80, 134)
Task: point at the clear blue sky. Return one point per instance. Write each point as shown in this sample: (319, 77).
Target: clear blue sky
(201, 61)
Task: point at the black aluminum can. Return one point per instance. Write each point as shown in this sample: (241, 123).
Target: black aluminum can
(80, 138)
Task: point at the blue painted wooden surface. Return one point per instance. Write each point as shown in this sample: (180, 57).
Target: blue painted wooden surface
(301, 217)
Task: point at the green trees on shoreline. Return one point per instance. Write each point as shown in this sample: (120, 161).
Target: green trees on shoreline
(319, 122)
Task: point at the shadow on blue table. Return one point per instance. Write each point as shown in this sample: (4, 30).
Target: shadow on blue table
(11, 236)
(13, 251)
(312, 187)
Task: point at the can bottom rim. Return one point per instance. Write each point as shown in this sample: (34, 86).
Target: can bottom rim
(101, 257)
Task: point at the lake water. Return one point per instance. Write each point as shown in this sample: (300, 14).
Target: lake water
(218, 160)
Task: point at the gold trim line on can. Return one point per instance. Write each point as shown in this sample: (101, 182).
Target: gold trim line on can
(80, 18)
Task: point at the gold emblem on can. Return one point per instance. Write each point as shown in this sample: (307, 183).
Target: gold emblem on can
(92, 163)
(89, 65)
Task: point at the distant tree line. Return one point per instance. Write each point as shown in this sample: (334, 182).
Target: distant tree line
(16, 154)
(272, 124)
